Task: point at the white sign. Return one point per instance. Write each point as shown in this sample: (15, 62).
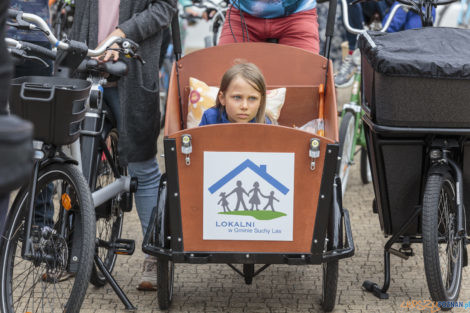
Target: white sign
(248, 196)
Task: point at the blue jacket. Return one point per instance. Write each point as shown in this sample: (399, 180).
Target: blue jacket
(213, 116)
(405, 19)
(273, 8)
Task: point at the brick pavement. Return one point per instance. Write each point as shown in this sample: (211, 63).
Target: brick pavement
(281, 288)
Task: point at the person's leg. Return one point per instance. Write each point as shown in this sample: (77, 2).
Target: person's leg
(148, 176)
(235, 29)
(298, 30)
(111, 98)
(345, 73)
(356, 20)
(43, 207)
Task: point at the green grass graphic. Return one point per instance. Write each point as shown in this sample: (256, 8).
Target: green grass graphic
(259, 215)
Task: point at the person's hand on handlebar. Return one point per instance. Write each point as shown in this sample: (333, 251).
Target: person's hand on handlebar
(206, 14)
(113, 52)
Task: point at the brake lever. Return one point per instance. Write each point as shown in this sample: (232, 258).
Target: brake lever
(139, 58)
(22, 54)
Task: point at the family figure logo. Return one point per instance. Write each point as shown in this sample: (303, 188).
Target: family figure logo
(248, 193)
(254, 201)
(254, 195)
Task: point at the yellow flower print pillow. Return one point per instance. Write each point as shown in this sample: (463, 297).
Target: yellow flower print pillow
(202, 97)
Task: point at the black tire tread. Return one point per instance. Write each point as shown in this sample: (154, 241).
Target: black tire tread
(330, 285)
(430, 238)
(88, 240)
(364, 162)
(163, 279)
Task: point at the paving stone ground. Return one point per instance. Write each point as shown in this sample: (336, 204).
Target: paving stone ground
(281, 288)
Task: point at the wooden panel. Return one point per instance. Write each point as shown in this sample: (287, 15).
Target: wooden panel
(296, 69)
(239, 137)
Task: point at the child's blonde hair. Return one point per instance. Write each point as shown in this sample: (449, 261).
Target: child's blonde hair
(252, 74)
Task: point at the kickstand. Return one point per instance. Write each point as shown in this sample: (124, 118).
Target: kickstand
(114, 284)
(381, 293)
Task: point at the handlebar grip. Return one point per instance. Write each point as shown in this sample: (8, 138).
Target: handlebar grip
(175, 33)
(12, 13)
(330, 24)
(38, 50)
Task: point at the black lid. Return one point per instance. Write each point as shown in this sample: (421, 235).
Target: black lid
(431, 52)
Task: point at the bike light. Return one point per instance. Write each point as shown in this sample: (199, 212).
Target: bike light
(314, 151)
(186, 147)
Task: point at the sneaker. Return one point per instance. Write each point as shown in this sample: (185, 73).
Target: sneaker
(57, 277)
(148, 282)
(345, 75)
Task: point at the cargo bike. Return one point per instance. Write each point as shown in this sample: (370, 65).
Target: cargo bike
(415, 97)
(305, 223)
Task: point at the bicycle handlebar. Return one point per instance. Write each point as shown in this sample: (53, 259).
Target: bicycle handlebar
(357, 31)
(32, 48)
(37, 22)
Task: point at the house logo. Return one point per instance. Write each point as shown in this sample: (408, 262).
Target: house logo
(248, 196)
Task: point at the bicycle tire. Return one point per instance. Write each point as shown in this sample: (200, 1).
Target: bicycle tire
(110, 215)
(56, 238)
(366, 174)
(165, 279)
(346, 145)
(329, 285)
(439, 200)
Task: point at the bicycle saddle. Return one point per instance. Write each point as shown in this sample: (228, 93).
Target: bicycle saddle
(116, 69)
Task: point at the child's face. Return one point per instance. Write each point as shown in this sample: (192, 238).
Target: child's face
(241, 101)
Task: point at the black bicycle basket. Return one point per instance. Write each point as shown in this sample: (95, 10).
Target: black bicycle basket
(55, 105)
(417, 77)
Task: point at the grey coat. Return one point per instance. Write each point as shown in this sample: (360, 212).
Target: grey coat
(141, 21)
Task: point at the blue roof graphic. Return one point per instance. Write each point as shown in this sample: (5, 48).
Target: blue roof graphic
(260, 170)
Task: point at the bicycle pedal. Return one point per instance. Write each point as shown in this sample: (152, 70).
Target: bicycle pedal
(398, 253)
(407, 251)
(124, 246)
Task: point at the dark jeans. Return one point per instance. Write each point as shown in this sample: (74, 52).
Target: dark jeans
(360, 13)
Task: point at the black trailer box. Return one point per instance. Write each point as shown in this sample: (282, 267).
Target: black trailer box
(418, 77)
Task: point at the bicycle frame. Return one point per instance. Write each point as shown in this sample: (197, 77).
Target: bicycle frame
(91, 140)
(354, 106)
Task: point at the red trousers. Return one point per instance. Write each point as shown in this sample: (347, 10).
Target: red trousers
(298, 30)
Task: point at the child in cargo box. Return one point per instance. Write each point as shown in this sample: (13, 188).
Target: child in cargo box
(241, 97)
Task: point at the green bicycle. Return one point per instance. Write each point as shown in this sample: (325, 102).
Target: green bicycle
(351, 136)
(351, 131)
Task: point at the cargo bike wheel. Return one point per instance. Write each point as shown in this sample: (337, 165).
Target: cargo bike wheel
(442, 247)
(157, 236)
(366, 174)
(330, 283)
